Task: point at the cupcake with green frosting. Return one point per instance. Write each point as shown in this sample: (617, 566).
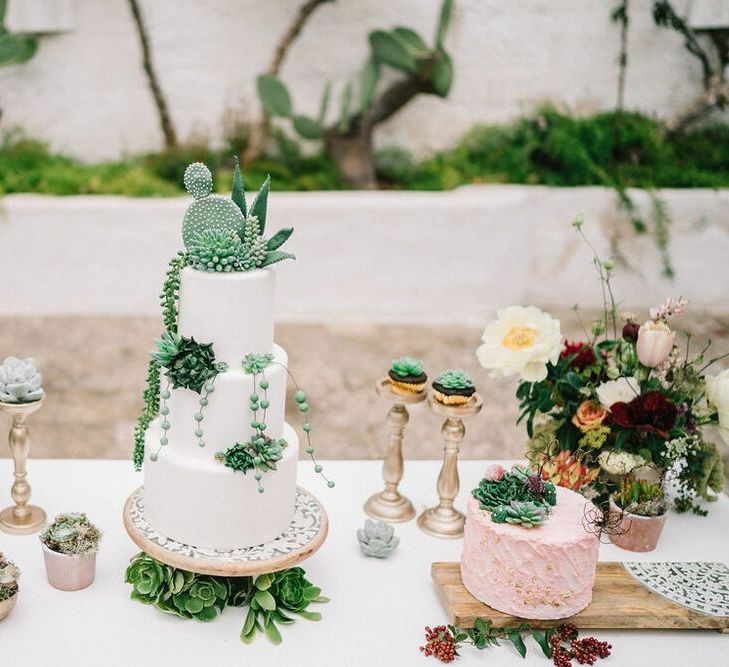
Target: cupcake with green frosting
(453, 387)
(406, 376)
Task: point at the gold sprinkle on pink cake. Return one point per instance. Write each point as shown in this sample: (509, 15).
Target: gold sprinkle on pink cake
(545, 571)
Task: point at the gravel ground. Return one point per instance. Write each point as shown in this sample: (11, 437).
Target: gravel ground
(94, 370)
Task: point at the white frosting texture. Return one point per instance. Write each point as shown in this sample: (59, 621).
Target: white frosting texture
(202, 503)
(233, 311)
(545, 572)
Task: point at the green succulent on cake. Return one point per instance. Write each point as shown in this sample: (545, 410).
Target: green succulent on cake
(407, 367)
(525, 513)
(214, 251)
(187, 363)
(455, 379)
(238, 457)
(500, 489)
(257, 363)
(268, 451)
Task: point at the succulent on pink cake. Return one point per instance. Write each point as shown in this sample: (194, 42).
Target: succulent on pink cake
(566, 470)
(495, 472)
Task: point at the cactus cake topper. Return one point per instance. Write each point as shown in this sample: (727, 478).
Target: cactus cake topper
(223, 234)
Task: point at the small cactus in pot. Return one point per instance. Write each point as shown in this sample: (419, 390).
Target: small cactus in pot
(70, 544)
(20, 381)
(9, 575)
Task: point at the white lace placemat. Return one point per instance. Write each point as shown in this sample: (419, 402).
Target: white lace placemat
(700, 586)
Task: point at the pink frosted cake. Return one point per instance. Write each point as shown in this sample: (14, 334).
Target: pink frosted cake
(543, 571)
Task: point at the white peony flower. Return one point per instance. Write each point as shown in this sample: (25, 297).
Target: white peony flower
(717, 394)
(622, 390)
(522, 341)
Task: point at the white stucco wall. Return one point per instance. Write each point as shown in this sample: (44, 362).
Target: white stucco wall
(86, 93)
(415, 257)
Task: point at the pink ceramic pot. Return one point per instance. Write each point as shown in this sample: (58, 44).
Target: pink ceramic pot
(69, 573)
(634, 532)
(6, 606)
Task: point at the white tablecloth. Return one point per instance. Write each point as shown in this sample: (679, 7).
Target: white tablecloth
(377, 611)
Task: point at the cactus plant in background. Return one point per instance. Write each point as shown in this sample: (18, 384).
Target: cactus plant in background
(377, 540)
(20, 381)
(426, 69)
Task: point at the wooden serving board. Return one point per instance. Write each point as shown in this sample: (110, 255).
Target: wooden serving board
(619, 601)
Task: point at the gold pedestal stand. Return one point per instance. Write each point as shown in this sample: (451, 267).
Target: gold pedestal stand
(21, 518)
(444, 520)
(390, 504)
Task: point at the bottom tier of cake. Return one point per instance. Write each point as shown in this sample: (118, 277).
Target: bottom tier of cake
(545, 572)
(207, 505)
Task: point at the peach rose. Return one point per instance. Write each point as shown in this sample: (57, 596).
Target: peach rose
(589, 415)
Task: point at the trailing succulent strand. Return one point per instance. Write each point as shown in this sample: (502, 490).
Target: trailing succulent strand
(272, 599)
(256, 364)
(150, 397)
(170, 290)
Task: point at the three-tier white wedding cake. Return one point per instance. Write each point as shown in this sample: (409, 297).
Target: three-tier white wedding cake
(219, 460)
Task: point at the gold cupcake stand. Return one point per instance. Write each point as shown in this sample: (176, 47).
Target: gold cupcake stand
(306, 533)
(442, 520)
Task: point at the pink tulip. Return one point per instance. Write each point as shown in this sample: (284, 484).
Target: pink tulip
(655, 342)
(495, 472)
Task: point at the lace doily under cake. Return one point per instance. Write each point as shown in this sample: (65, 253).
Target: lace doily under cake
(305, 535)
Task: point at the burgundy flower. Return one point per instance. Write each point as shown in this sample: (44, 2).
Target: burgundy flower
(630, 331)
(651, 412)
(583, 353)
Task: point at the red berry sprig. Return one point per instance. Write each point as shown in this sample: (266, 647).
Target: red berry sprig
(585, 651)
(439, 643)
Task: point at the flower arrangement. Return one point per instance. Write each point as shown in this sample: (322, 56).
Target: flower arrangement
(72, 534)
(627, 396)
(20, 381)
(272, 599)
(9, 575)
(517, 497)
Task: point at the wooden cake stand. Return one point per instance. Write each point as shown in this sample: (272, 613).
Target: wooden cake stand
(305, 535)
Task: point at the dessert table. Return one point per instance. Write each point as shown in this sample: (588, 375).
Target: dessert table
(378, 608)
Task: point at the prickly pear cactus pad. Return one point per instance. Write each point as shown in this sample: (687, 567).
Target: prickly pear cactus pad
(208, 211)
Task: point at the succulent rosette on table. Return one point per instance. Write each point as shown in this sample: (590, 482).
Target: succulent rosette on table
(626, 398)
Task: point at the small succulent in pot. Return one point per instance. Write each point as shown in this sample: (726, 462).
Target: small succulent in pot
(377, 540)
(9, 575)
(638, 512)
(20, 381)
(70, 544)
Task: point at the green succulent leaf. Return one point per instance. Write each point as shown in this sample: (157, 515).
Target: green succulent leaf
(444, 20)
(391, 50)
(274, 95)
(307, 127)
(443, 75)
(310, 615)
(265, 600)
(279, 238)
(16, 49)
(274, 256)
(238, 195)
(368, 83)
(272, 632)
(260, 205)
(412, 40)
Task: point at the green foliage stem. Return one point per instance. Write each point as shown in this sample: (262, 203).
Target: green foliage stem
(150, 409)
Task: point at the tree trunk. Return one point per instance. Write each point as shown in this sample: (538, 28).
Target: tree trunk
(165, 121)
(353, 156)
(259, 132)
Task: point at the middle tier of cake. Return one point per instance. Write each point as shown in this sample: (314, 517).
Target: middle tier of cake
(227, 416)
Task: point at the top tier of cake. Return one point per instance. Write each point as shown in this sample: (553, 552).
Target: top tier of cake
(233, 311)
